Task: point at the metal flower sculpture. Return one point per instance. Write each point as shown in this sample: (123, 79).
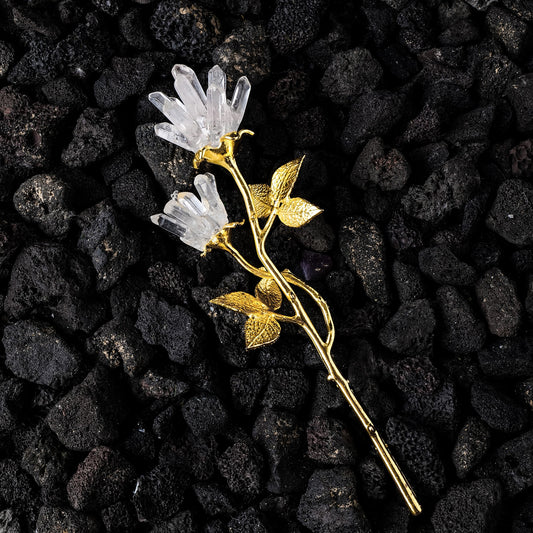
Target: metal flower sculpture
(207, 125)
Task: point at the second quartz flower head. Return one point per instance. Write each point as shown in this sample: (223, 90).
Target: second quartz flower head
(200, 119)
(195, 221)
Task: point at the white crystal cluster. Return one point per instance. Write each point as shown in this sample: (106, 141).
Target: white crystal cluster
(194, 221)
(200, 119)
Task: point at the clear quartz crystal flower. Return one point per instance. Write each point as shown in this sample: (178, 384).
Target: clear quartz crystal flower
(194, 221)
(200, 119)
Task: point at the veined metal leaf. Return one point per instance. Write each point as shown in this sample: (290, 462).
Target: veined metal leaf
(284, 179)
(269, 293)
(260, 330)
(296, 212)
(261, 199)
(242, 302)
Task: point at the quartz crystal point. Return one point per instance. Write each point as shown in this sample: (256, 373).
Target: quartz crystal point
(200, 119)
(195, 221)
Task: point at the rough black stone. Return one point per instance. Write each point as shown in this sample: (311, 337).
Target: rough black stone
(372, 114)
(44, 200)
(329, 442)
(410, 330)
(241, 466)
(441, 265)
(511, 216)
(103, 478)
(498, 301)
(213, 499)
(205, 414)
(52, 519)
(56, 282)
(330, 503)
(111, 248)
(508, 358)
(294, 24)
(171, 326)
(36, 352)
(463, 332)
(497, 410)
(387, 169)
(187, 28)
(97, 134)
(362, 246)
(286, 389)
(417, 450)
(349, 74)
(444, 191)
(244, 52)
(159, 493)
(471, 446)
(89, 414)
(469, 508)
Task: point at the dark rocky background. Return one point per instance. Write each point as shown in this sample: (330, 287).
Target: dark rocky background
(127, 403)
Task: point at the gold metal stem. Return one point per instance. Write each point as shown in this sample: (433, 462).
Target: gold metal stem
(301, 317)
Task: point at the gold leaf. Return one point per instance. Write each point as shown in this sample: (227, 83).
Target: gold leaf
(240, 301)
(296, 212)
(261, 199)
(260, 330)
(284, 179)
(269, 293)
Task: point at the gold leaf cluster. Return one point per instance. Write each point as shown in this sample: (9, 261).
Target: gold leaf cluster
(261, 328)
(293, 212)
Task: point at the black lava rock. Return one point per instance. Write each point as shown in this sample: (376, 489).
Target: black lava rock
(510, 215)
(7, 55)
(411, 329)
(372, 114)
(408, 280)
(126, 77)
(111, 248)
(463, 332)
(443, 192)
(389, 170)
(441, 265)
(497, 410)
(159, 493)
(186, 28)
(498, 301)
(44, 200)
(507, 358)
(519, 92)
(417, 449)
(213, 499)
(330, 503)
(246, 389)
(244, 52)
(55, 518)
(170, 164)
(329, 442)
(248, 520)
(97, 134)
(469, 508)
(37, 353)
(472, 444)
(103, 478)
(281, 437)
(362, 246)
(89, 414)
(56, 282)
(241, 466)
(509, 30)
(349, 74)
(286, 389)
(294, 24)
(171, 326)
(205, 414)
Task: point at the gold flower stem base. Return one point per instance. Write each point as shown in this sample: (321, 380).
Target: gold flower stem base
(224, 157)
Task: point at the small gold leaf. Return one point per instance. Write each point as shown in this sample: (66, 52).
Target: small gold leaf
(241, 302)
(296, 212)
(260, 330)
(261, 199)
(284, 179)
(268, 292)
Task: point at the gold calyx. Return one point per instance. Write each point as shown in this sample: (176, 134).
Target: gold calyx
(263, 324)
